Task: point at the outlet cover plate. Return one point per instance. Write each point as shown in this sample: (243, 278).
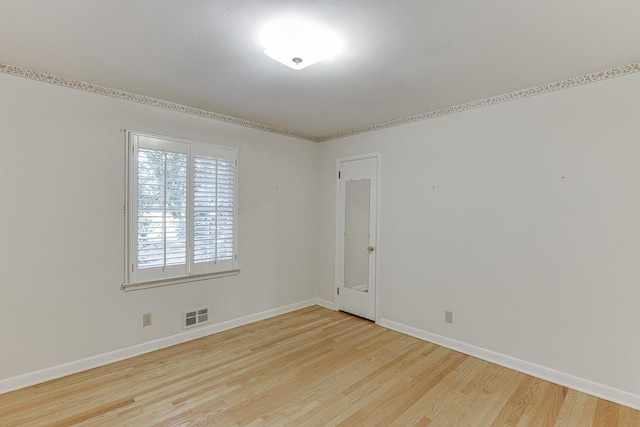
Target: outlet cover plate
(448, 316)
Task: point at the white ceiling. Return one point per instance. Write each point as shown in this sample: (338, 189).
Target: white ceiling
(402, 57)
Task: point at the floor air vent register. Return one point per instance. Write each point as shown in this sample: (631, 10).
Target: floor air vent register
(195, 317)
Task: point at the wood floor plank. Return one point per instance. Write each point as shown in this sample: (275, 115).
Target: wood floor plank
(312, 367)
(578, 410)
(606, 414)
(628, 417)
(483, 405)
(386, 408)
(444, 398)
(555, 401)
(544, 405)
(329, 390)
(526, 394)
(360, 393)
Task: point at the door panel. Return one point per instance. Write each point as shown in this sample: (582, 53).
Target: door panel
(356, 238)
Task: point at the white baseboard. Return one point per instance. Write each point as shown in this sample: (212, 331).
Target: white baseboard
(326, 303)
(567, 380)
(59, 371)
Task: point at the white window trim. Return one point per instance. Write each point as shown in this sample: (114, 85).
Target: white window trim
(130, 283)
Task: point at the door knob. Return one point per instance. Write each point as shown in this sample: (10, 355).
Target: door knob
(371, 249)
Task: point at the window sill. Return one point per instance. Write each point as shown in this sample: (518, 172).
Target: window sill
(128, 287)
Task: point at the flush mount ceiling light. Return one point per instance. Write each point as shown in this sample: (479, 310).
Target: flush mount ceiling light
(299, 43)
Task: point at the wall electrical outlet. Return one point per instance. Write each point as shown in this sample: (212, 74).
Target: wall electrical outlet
(448, 316)
(146, 319)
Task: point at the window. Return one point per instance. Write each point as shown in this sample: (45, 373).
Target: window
(182, 210)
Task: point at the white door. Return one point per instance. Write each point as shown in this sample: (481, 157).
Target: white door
(356, 237)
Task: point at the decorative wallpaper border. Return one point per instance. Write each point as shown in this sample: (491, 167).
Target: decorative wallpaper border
(511, 96)
(142, 99)
(485, 102)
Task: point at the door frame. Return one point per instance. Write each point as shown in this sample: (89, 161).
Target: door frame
(338, 236)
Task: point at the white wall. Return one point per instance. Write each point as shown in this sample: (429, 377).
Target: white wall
(62, 227)
(523, 218)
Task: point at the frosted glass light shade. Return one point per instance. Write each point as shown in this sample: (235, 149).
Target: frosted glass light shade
(298, 44)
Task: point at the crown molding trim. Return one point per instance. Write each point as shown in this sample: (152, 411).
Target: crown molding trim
(458, 108)
(486, 102)
(142, 99)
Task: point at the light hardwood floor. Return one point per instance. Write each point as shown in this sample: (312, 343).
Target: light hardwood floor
(313, 367)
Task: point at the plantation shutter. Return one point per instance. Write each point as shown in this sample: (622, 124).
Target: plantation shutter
(162, 208)
(182, 209)
(213, 209)
(161, 240)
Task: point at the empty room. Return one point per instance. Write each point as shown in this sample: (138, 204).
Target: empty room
(319, 213)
